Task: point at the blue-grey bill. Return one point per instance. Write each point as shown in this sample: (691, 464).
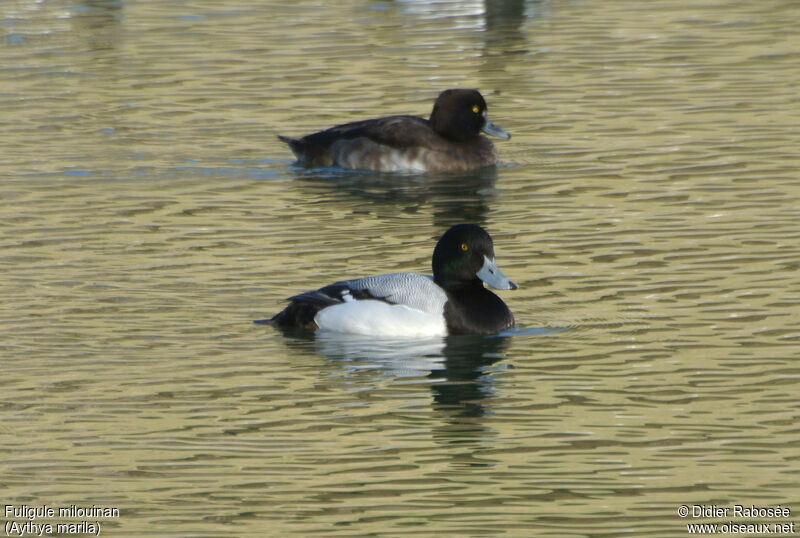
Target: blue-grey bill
(492, 275)
(494, 130)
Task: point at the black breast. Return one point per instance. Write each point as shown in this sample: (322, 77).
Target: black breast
(476, 311)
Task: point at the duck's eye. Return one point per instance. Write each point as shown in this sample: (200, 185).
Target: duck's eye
(476, 109)
(464, 247)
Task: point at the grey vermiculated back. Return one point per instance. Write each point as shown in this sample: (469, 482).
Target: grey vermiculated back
(411, 289)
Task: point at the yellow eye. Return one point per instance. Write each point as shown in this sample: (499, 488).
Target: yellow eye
(464, 247)
(476, 109)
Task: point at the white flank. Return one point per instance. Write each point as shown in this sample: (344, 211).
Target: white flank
(398, 161)
(377, 318)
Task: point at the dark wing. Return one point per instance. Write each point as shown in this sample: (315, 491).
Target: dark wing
(303, 307)
(394, 131)
(336, 293)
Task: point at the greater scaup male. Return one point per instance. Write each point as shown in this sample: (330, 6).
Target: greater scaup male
(449, 141)
(453, 301)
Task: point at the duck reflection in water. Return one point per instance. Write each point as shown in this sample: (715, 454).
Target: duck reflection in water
(465, 378)
(449, 197)
(459, 368)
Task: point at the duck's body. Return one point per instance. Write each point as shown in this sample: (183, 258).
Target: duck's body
(449, 141)
(453, 301)
(398, 304)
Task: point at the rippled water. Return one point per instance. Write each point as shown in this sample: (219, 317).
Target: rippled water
(648, 206)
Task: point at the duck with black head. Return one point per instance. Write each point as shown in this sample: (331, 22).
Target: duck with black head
(449, 141)
(452, 301)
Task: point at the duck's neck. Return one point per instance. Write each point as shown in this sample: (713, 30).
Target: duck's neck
(458, 285)
(473, 309)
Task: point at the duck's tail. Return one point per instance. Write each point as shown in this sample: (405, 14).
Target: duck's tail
(309, 152)
(288, 139)
(298, 315)
(301, 310)
(295, 144)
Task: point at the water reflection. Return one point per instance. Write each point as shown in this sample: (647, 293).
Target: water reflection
(453, 198)
(460, 14)
(98, 24)
(490, 15)
(456, 366)
(464, 380)
(504, 24)
(396, 358)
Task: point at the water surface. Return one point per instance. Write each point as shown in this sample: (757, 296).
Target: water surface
(648, 205)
